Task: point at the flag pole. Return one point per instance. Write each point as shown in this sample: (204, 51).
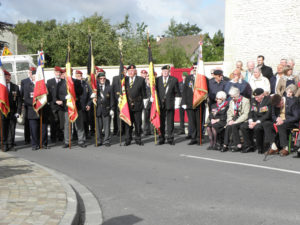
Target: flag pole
(70, 125)
(95, 119)
(120, 76)
(41, 128)
(120, 130)
(1, 133)
(200, 129)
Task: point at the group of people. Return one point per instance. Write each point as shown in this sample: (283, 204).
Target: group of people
(251, 109)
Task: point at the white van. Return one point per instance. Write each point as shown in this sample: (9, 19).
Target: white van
(18, 66)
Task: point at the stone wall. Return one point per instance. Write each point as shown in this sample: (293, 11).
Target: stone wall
(270, 28)
(11, 39)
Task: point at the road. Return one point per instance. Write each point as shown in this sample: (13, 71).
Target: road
(181, 184)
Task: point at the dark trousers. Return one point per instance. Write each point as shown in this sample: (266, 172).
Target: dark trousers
(181, 115)
(8, 131)
(248, 134)
(283, 133)
(136, 120)
(55, 130)
(35, 133)
(116, 121)
(269, 131)
(86, 122)
(147, 123)
(90, 121)
(167, 115)
(26, 126)
(232, 131)
(103, 122)
(194, 122)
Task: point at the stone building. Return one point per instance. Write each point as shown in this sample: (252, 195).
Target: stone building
(270, 28)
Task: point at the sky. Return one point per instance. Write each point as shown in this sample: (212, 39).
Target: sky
(207, 14)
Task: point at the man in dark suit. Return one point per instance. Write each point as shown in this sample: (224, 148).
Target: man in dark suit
(116, 89)
(169, 99)
(182, 110)
(26, 121)
(34, 118)
(135, 91)
(147, 108)
(55, 129)
(265, 70)
(9, 122)
(260, 112)
(61, 99)
(105, 105)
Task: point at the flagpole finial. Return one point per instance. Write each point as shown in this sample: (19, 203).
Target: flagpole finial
(89, 30)
(42, 43)
(120, 44)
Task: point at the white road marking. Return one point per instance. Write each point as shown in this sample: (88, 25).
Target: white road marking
(242, 164)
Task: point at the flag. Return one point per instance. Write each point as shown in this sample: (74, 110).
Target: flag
(155, 112)
(123, 103)
(40, 91)
(6, 51)
(91, 67)
(4, 101)
(71, 101)
(200, 87)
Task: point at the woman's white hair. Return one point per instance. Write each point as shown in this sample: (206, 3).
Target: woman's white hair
(221, 95)
(234, 92)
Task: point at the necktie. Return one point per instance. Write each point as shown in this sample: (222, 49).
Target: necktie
(131, 83)
(101, 91)
(165, 82)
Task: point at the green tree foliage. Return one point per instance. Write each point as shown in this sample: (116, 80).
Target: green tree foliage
(213, 49)
(179, 29)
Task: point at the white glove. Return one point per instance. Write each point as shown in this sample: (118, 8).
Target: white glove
(111, 113)
(177, 102)
(68, 97)
(183, 106)
(17, 115)
(146, 102)
(151, 99)
(93, 95)
(119, 100)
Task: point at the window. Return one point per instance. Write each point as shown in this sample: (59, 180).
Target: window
(22, 66)
(8, 67)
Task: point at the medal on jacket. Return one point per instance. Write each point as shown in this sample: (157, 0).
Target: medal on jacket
(14, 93)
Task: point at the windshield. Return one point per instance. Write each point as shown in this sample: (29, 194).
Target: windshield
(8, 67)
(22, 66)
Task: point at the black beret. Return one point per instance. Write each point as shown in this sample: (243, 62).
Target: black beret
(195, 63)
(131, 66)
(218, 72)
(166, 67)
(258, 91)
(101, 74)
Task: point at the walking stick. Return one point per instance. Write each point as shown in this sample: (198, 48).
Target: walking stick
(95, 118)
(1, 133)
(200, 129)
(41, 128)
(70, 134)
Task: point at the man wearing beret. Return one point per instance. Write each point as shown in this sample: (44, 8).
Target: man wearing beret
(104, 109)
(169, 97)
(9, 122)
(215, 84)
(136, 92)
(260, 112)
(55, 129)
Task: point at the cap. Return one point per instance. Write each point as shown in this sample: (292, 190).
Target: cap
(101, 74)
(6, 73)
(218, 72)
(97, 68)
(144, 71)
(258, 91)
(58, 69)
(131, 66)
(166, 67)
(32, 68)
(78, 72)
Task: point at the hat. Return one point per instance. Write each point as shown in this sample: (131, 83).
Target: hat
(218, 72)
(166, 67)
(195, 64)
(97, 68)
(101, 74)
(6, 73)
(258, 91)
(63, 70)
(78, 72)
(131, 66)
(32, 68)
(144, 71)
(185, 74)
(58, 69)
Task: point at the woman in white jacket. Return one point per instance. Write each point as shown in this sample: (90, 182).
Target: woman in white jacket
(259, 81)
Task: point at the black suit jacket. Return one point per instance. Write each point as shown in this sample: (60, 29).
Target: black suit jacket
(136, 93)
(85, 98)
(116, 88)
(187, 95)
(106, 102)
(15, 102)
(166, 95)
(23, 82)
(52, 89)
(267, 71)
(262, 111)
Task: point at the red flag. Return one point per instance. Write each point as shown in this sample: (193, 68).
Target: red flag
(71, 101)
(4, 101)
(91, 67)
(200, 87)
(40, 90)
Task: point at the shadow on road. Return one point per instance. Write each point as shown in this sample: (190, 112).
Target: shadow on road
(10, 171)
(123, 220)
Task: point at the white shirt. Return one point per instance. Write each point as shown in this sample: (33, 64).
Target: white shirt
(8, 87)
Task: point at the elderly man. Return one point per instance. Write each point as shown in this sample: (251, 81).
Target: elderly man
(259, 81)
(260, 111)
(249, 71)
(265, 70)
(215, 85)
(278, 82)
(237, 114)
(169, 99)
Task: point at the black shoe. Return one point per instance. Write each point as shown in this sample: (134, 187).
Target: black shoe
(171, 142)
(192, 142)
(107, 145)
(210, 147)
(82, 145)
(139, 143)
(248, 149)
(98, 144)
(65, 146)
(217, 147)
(161, 142)
(35, 148)
(235, 149)
(224, 149)
(188, 137)
(127, 143)
(45, 147)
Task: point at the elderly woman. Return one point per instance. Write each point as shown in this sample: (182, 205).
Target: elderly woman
(259, 81)
(217, 117)
(237, 113)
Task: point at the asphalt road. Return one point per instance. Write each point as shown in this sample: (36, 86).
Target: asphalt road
(181, 184)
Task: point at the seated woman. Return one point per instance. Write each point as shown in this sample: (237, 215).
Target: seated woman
(259, 81)
(239, 108)
(217, 118)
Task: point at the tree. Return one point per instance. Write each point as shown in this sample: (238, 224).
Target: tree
(175, 29)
